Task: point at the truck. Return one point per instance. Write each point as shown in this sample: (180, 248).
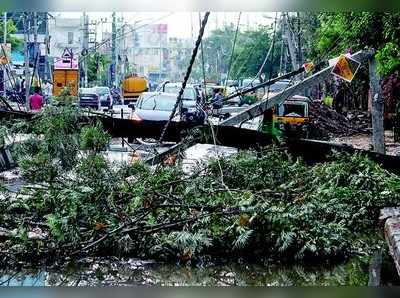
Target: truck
(133, 86)
(66, 74)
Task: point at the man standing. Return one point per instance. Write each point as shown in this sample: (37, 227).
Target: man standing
(217, 98)
(36, 100)
(48, 91)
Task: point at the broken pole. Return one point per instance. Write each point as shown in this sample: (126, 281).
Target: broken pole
(266, 103)
(378, 137)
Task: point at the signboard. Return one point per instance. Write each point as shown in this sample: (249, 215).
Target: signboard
(345, 68)
(5, 53)
(66, 61)
(308, 67)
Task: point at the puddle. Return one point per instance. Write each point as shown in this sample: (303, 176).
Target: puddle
(202, 152)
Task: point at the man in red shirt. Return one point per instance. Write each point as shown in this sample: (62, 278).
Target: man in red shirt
(36, 100)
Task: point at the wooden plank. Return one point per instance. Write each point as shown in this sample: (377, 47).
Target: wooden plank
(259, 108)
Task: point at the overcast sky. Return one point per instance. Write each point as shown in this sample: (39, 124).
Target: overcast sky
(181, 24)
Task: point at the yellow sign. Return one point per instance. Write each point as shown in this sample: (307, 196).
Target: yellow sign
(5, 53)
(308, 67)
(345, 68)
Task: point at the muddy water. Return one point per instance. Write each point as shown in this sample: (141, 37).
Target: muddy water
(113, 272)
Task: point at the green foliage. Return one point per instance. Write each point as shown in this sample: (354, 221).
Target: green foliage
(94, 138)
(39, 167)
(388, 59)
(97, 68)
(250, 50)
(253, 204)
(358, 30)
(16, 43)
(65, 97)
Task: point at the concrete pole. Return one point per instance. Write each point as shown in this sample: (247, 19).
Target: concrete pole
(5, 28)
(47, 45)
(114, 49)
(27, 71)
(85, 46)
(290, 42)
(378, 136)
(35, 44)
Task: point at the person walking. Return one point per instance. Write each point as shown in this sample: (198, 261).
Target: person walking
(36, 100)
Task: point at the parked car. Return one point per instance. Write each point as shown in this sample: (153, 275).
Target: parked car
(88, 98)
(191, 92)
(106, 100)
(157, 106)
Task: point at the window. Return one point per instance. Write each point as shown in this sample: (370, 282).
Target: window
(70, 37)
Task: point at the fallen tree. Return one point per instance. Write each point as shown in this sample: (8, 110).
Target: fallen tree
(327, 123)
(263, 204)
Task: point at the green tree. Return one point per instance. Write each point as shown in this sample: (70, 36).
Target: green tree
(97, 66)
(249, 52)
(11, 38)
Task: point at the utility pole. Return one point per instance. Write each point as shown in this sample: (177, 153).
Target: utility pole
(85, 46)
(47, 46)
(283, 50)
(123, 52)
(378, 136)
(299, 45)
(114, 50)
(26, 53)
(2, 71)
(35, 44)
(290, 41)
(5, 27)
(159, 37)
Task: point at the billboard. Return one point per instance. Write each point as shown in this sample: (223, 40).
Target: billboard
(152, 36)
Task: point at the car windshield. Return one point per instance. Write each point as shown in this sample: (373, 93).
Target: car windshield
(189, 93)
(103, 90)
(157, 102)
(292, 109)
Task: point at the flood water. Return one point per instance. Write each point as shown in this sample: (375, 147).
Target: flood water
(131, 272)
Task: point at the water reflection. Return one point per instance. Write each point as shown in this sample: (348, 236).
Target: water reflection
(113, 272)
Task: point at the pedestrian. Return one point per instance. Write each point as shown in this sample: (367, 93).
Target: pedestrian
(23, 87)
(36, 100)
(217, 98)
(47, 91)
(18, 84)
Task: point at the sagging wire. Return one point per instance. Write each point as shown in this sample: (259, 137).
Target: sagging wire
(233, 50)
(187, 75)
